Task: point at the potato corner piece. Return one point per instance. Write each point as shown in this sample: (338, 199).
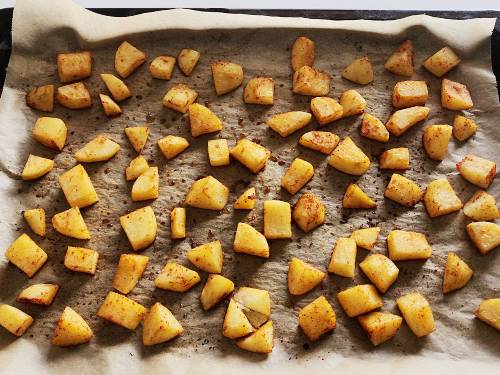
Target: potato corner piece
(409, 94)
(405, 245)
(207, 257)
(137, 166)
(250, 154)
(250, 241)
(79, 259)
(324, 142)
(380, 270)
(277, 220)
(128, 272)
(289, 122)
(354, 197)
(110, 108)
(395, 158)
(187, 60)
(366, 237)
(116, 87)
(74, 96)
(128, 59)
(309, 212)
(417, 314)
(26, 255)
(455, 96)
(259, 90)
(489, 312)
(380, 326)
(218, 152)
(485, 235)
(236, 323)
(246, 201)
(176, 278)
(260, 341)
(349, 158)
(178, 223)
(202, 120)
(436, 139)
(317, 318)
(359, 71)
(146, 186)
(440, 198)
(401, 60)
(297, 175)
(310, 81)
(403, 191)
(70, 223)
(302, 53)
(208, 193)
(255, 304)
(50, 132)
(122, 311)
(160, 325)
(373, 128)
(162, 67)
(302, 277)
(352, 103)
(326, 110)
(98, 149)
(179, 97)
(359, 300)
(215, 290)
(36, 167)
(41, 98)
(441, 62)
(403, 119)
(227, 76)
(481, 207)
(477, 171)
(343, 260)
(463, 127)
(39, 294)
(140, 227)
(71, 329)
(14, 320)
(457, 273)
(36, 220)
(137, 136)
(73, 66)
(172, 145)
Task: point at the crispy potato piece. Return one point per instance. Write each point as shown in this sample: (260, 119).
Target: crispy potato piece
(457, 273)
(140, 227)
(441, 62)
(160, 325)
(403, 191)
(455, 96)
(208, 193)
(110, 108)
(215, 290)
(417, 313)
(409, 94)
(137, 136)
(359, 300)
(352, 103)
(74, 96)
(146, 186)
(246, 201)
(317, 318)
(326, 110)
(395, 158)
(359, 71)
(98, 149)
(436, 139)
(489, 312)
(14, 320)
(381, 271)
(343, 260)
(74, 66)
(202, 120)
(354, 197)
(277, 220)
(36, 167)
(227, 76)
(481, 207)
(39, 294)
(401, 60)
(380, 326)
(50, 132)
(36, 220)
(297, 175)
(236, 324)
(116, 87)
(41, 98)
(250, 241)
(128, 59)
(406, 245)
(172, 145)
(178, 223)
(218, 152)
(463, 127)
(303, 50)
(440, 198)
(403, 119)
(366, 237)
(310, 81)
(79, 259)
(207, 257)
(309, 212)
(324, 142)
(187, 60)
(70, 223)
(259, 90)
(289, 122)
(477, 171)
(137, 166)
(179, 98)
(26, 255)
(71, 329)
(302, 277)
(128, 272)
(77, 187)
(255, 304)
(162, 67)
(250, 154)
(349, 158)
(373, 128)
(122, 310)
(176, 278)
(485, 235)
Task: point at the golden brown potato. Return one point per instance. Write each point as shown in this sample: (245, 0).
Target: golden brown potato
(401, 60)
(352, 103)
(236, 324)
(489, 311)
(140, 227)
(259, 90)
(381, 271)
(359, 71)
(463, 128)
(309, 212)
(172, 145)
(39, 294)
(160, 325)
(215, 290)
(349, 158)
(417, 313)
(202, 120)
(343, 260)
(436, 139)
(128, 272)
(481, 207)
(246, 201)
(122, 311)
(74, 96)
(207, 257)
(455, 96)
(218, 152)
(373, 128)
(310, 81)
(77, 187)
(227, 76)
(98, 149)
(441, 62)
(260, 341)
(176, 278)
(277, 220)
(128, 59)
(405, 245)
(324, 142)
(403, 119)
(50, 132)
(395, 158)
(289, 122)
(303, 50)
(440, 198)
(208, 193)
(179, 98)
(317, 318)
(109, 106)
(297, 175)
(403, 191)
(326, 110)
(366, 237)
(137, 166)
(187, 60)
(302, 277)
(485, 235)
(74, 66)
(250, 154)
(116, 87)
(79, 259)
(146, 186)
(162, 67)
(70, 223)
(26, 255)
(477, 171)
(457, 273)
(250, 241)
(255, 303)
(359, 300)
(354, 197)
(36, 220)
(41, 98)
(137, 136)
(409, 94)
(36, 167)
(380, 326)
(14, 320)
(178, 223)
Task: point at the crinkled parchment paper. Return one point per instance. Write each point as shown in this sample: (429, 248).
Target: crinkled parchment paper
(261, 44)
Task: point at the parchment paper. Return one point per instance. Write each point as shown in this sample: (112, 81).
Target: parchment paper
(461, 343)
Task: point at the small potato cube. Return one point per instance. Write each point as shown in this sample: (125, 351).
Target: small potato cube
(485, 235)
(218, 152)
(137, 166)
(146, 186)
(187, 60)
(343, 260)
(309, 212)
(74, 96)
(50, 132)
(236, 324)
(36, 220)
(289, 122)
(41, 98)
(246, 201)
(73, 66)
(255, 303)
(14, 320)
(440, 198)
(140, 227)
(489, 312)
(366, 237)
(250, 241)
(98, 149)
(116, 87)
(302, 277)
(79, 259)
(207, 257)
(409, 94)
(137, 136)
(160, 325)
(176, 278)
(326, 110)
(227, 76)
(324, 142)
(71, 329)
(179, 97)
(373, 128)
(481, 207)
(259, 90)
(250, 154)
(477, 171)
(26, 255)
(349, 158)
(405, 245)
(215, 290)
(310, 81)
(297, 175)
(455, 96)
(317, 318)
(380, 326)
(381, 271)
(401, 60)
(77, 187)
(352, 103)
(403, 191)
(395, 158)
(457, 273)
(128, 272)
(359, 300)
(128, 59)
(109, 106)
(354, 197)
(260, 341)
(172, 145)
(122, 311)
(202, 120)
(441, 62)
(36, 167)
(463, 128)
(277, 220)
(359, 71)
(178, 223)
(302, 53)
(417, 313)
(208, 193)
(162, 67)
(39, 294)
(403, 119)
(70, 223)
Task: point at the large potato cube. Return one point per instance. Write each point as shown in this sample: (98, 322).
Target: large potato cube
(326, 110)
(227, 76)
(409, 94)
(50, 132)
(71, 329)
(128, 272)
(137, 166)
(343, 260)
(463, 127)
(436, 139)
(202, 120)
(70, 223)
(41, 98)
(162, 67)
(215, 290)
(373, 128)
(477, 171)
(14, 320)
(39, 294)
(176, 278)
(489, 312)
(218, 152)
(179, 97)
(172, 145)
(160, 325)
(302, 277)
(401, 60)
(140, 227)
(403, 119)
(309, 212)
(250, 154)
(178, 223)
(277, 220)
(442, 62)
(381, 271)
(485, 235)
(74, 96)
(98, 149)
(36, 167)
(122, 311)
(317, 318)
(395, 158)
(297, 175)
(359, 300)
(207, 257)
(77, 187)
(354, 197)
(440, 198)
(26, 255)
(79, 259)
(352, 103)
(255, 303)
(289, 122)
(260, 341)
(246, 201)
(236, 324)
(380, 326)
(250, 241)
(259, 90)
(208, 193)
(403, 191)
(128, 59)
(405, 245)
(116, 87)
(417, 313)
(359, 71)
(324, 142)
(366, 237)
(455, 96)
(349, 158)
(187, 60)
(481, 207)
(302, 53)
(73, 66)
(146, 186)
(310, 81)
(457, 273)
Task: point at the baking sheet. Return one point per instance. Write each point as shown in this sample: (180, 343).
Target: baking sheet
(261, 45)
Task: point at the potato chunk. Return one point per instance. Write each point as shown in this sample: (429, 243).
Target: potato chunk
(187, 60)
(246, 201)
(109, 106)
(36, 167)
(71, 329)
(324, 142)
(207, 257)
(50, 132)
(137, 136)
(236, 324)
(73, 66)
(289, 122)
(395, 158)
(140, 227)
(122, 311)
(381, 271)
(179, 98)
(302, 53)
(477, 171)
(77, 187)
(463, 127)
(403, 119)
(98, 149)
(441, 62)
(405, 245)
(218, 152)
(457, 273)
(146, 186)
(250, 154)
(176, 278)
(79, 259)
(118, 89)
(260, 341)
(366, 237)
(373, 128)
(417, 313)
(36, 220)
(178, 223)
(359, 71)
(160, 325)
(250, 241)
(310, 81)
(349, 158)
(309, 212)
(172, 145)
(352, 103)
(255, 304)
(485, 235)
(403, 191)
(128, 272)
(354, 197)
(137, 166)
(74, 96)
(401, 60)
(208, 193)
(14, 320)
(481, 207)
(317, 318)
(259, 90)
(409, 94)
(39, 294)
(359, 300)
(227, 76)
(202, 120)
(343, 260)
(297, 175)
(128, 59)
(41, 98)
(302, 277)
(380, 326)
(70, 223)
(215, 290)
(26, 255)
(455, 96)
(326, 110)
(277, 220)
(162, 67)
(436, 139)
(440, 198)
(489, 312)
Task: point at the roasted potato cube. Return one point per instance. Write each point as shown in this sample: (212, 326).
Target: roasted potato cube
(417, 313)
(77, 187)
(218, 152)
(74, 96)
(277, 220)
(178, 223)
(481, 207)
(302, 53)
(160, 325)
(70, 223)
(146, 186)
(50, 132)
(116, 87)
(359, 300)
(36, 220)
(317, 318)
(187, 60)
(79, 259)
(485, 235)
(349, 158)
(140, 227)
(477, 171)
(207, 257)
(137, 136)
(41, 98)
(289, 122)
(441, 62)
(98, 149)
(310, 81)
(259, 90)
(71, 329)
(354, 197)
(215, 290)
(255, 304)
(236, 324)
(455, 96)
(128, 59)
(172, 145)
(250, 154)
(381, 271)
(440, 198)
(489, 312)
(403, 119)
(176, 278)
(122, 311)
(162, 67)
(463, 127)
(250, 241)
(309, 212)
(202, 120)
(128, 272)
(297, 175)
(246, 201)
(403, 191)
(409, 94)
(395, 158)
(109, 106)
(373, 128)
(457, 273)
(227, 76)
(380, 326)
(36, 167)
(137, 166)
(343, 260)
(326, 110)
(208, 193)
(73, 66)
(14, 320)
(401, 60)
(405, 245)
(179, 97)
(352, 103)
(359, 71)
(366, 237)
(26, 255)
(324, 142)
(38, 294)
(302, 277)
